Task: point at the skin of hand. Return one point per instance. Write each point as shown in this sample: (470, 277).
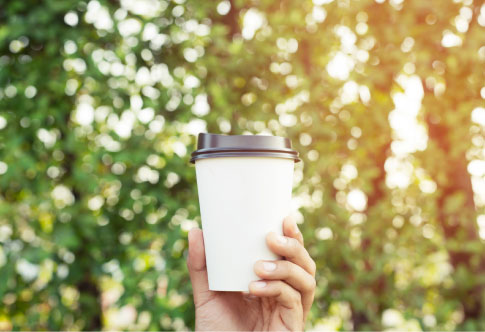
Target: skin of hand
(280, 301)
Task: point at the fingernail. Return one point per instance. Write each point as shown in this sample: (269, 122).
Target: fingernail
(259, 284)
(282, 239)
(295, 228)
(269, 266)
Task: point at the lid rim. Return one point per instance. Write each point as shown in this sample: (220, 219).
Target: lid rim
(241, 154)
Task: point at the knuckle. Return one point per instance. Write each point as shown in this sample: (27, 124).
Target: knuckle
(309, 284)
(313, 284)
(313, 267)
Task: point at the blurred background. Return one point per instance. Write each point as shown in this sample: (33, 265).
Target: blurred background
(100, 102)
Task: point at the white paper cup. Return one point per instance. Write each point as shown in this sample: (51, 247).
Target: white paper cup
(242, 199)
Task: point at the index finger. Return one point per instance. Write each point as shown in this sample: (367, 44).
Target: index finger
(290, 229)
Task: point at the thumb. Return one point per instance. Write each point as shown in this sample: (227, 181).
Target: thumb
(197, 268)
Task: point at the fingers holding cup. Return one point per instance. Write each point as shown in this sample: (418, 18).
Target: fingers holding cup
(292, 250)
(293, 275)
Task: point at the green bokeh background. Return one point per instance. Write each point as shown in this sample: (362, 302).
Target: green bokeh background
(100, 102)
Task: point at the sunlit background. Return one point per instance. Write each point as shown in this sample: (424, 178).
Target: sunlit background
(100, 104)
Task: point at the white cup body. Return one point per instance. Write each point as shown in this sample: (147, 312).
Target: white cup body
(241, 199)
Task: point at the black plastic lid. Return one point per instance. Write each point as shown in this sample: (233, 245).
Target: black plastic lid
(216, 146)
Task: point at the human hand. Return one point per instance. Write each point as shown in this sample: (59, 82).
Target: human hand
(280, 301)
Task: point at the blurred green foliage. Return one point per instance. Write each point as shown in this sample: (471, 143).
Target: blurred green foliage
(100, 102)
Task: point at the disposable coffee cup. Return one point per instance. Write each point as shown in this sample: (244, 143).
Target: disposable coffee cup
(244, 184)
